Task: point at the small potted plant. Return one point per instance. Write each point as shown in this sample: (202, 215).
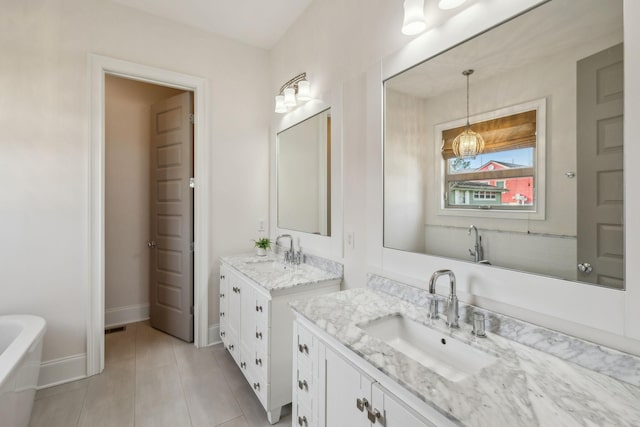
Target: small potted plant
(262, 245)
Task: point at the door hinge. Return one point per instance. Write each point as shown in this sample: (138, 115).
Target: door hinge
(192, 182)
(192, 118)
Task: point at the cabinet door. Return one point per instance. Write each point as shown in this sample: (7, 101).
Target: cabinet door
(392, 412)
(224, 306)
(346, 392)
(247, 314)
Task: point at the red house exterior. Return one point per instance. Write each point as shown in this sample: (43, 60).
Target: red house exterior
(520, 190)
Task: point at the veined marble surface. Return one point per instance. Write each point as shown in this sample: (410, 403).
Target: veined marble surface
(273, 275)
(614, 363)
(525, 387)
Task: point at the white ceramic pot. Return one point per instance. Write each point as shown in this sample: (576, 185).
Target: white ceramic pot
(261, 252)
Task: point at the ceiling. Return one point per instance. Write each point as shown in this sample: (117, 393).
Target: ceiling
(257, 23)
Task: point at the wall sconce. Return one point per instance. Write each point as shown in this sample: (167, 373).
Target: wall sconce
(414, 22)
(295, 91)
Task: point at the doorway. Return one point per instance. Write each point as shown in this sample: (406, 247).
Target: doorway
(148, 205)
(99, 68)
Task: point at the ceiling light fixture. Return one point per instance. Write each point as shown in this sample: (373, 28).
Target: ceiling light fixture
(468, 143)
(414, 22)
(450, 4)
(294, 92)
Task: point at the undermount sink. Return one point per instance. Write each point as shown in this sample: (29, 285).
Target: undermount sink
(446, 356)
(266, 266)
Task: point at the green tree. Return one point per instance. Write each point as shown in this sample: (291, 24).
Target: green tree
(459, 164)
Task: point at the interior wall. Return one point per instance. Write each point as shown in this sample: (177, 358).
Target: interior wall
(127, 193)
(44, 154)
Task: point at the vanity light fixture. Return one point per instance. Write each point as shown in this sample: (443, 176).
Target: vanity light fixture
(414, 22)
(294, 92)
(468, 143)
(449, 4)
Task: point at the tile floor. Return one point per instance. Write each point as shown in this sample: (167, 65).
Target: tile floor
(153, 379)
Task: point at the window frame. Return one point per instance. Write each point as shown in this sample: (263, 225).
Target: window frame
(535, 212)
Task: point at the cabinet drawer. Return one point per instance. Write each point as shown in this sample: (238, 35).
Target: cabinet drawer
(261, 339)
(304, 385)
(260, 363)
(262, 310)
(303, 416)
(304, 346)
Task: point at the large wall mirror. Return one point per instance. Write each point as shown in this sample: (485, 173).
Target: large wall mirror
(304, 175)
(545, 193)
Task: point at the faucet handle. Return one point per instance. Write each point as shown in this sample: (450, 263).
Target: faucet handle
(433, 306)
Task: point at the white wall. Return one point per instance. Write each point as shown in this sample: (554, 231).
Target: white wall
(127, 195)
(44, 148)
(361, 34)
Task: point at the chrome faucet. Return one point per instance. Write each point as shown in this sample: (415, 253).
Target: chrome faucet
(288, 255)
(477, 253)
(451, 310)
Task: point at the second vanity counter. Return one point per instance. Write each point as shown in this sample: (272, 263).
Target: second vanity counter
(274, 276)
(525, 387)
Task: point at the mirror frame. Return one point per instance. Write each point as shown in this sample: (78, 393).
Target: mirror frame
(603, 315)
(325, 246)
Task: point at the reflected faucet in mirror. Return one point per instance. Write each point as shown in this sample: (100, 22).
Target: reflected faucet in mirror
(288, 253)
(477, 253)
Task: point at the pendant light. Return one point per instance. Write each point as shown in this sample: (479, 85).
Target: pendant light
(468, 143)
(449, 4)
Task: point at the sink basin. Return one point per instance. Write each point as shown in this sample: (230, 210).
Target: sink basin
(451, 358)
(266, 267)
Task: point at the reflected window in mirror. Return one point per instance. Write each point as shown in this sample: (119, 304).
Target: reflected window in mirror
(563, 217)
(304, 176)
(503, 176)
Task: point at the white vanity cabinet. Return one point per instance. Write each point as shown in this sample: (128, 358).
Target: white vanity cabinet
(341, 393)
(256, 326)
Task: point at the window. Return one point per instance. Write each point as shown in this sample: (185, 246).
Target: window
(503, 176)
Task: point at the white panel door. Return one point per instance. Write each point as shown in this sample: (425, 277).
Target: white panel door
(600, 115)
(347, 394)
(171, 289)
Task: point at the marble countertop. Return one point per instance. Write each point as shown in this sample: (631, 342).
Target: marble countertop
(273, 275)
(526, 387)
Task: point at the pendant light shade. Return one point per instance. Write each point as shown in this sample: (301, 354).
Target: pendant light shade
(304, 91)
(414, 22)
(289, 97)
(280, 108)
(468, 143)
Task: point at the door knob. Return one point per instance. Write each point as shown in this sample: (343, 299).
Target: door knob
(585, 268)
(151, 244)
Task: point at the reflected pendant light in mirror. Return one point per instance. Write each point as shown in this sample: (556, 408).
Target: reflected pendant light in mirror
(414, 22)
(468, 143)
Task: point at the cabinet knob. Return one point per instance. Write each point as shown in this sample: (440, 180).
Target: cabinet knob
(376, 416)
(256, 386)
(243, 365)
(303, 385)
(221, 295)
(259, 362)
(223, 333)
(230, 347)
(259, 308)
(222, 277)
(302, 421)
(302, 348)
(259, 335)
(222, 314)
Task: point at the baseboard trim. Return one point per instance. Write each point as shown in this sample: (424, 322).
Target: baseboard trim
(214, 334)
(63, 370)
(123, 315)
